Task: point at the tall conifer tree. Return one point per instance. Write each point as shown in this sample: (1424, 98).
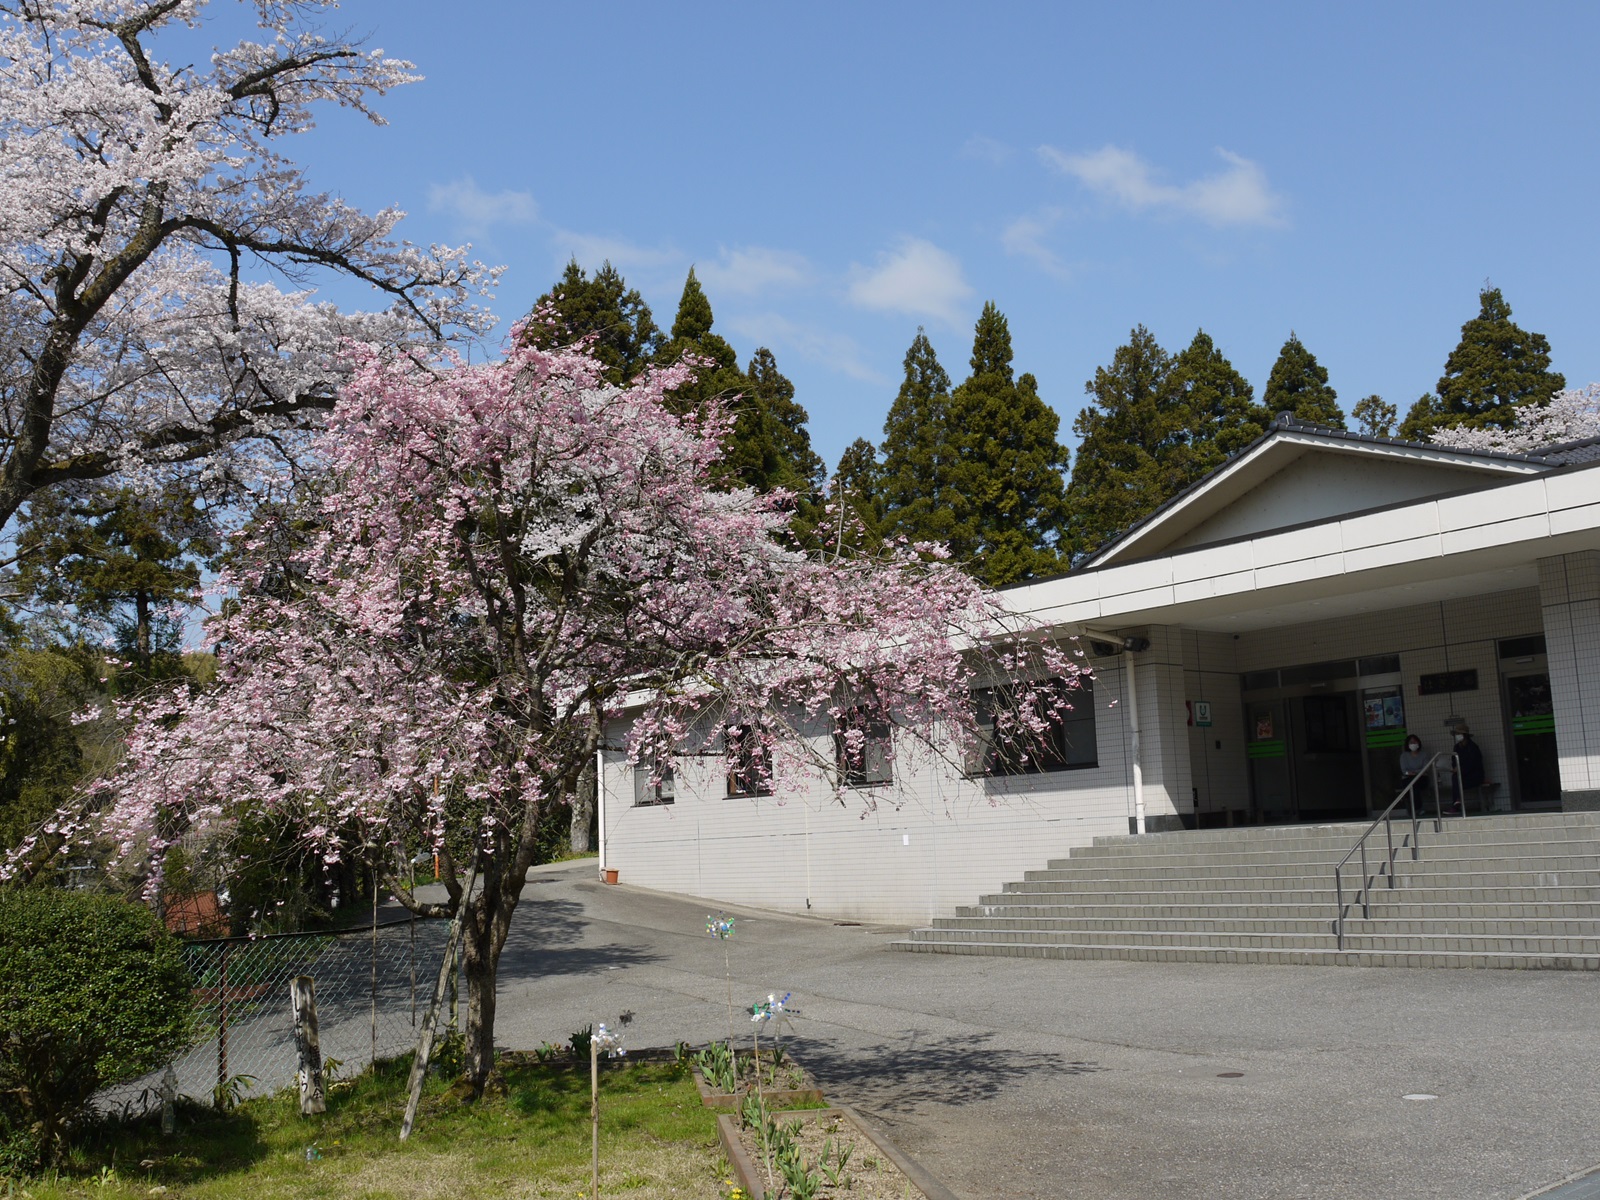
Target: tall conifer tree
(1008, 465)
(606, 309)
(1298, 386)
(1496, 369)
(1123, 469)
(769, 446)
(855, 492)
(918, 455)
(1213, 408)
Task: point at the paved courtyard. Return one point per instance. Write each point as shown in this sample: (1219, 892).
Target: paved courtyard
(1104, 1080)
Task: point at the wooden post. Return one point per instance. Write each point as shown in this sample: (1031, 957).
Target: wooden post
(303, 1003)
(169, 1102)
(594, 1108)
(221, 1098)
(419, 1064)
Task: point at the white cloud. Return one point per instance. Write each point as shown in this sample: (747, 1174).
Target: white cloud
(836, 350)
(987, 149)
(917, 278)
(476, 210)
(591, 250)
(1025, 238)
(754, 269)
(1237, 195)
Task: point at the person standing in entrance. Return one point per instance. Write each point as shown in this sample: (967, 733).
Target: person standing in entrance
(1468, 766)
(1413, 763)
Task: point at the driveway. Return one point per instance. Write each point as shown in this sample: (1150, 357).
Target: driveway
(1106, 1080)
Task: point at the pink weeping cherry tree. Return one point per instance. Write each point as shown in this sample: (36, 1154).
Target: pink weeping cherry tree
(502, 558)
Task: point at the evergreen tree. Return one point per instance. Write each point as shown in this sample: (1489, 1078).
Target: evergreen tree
(615, 316)
(769, 446)
(1008, 466)
(918, 455)
(1123, 469)
(800, 468)
(1375, 416)
(855, 494)
(121, 557)
(1211, 414)
(1496, 369)
(1298, 386)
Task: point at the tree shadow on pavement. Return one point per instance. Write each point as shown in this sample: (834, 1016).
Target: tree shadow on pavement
(546, 939)
(900, 1077)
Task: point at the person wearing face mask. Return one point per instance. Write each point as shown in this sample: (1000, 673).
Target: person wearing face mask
(1468, 765)
(1413, 762)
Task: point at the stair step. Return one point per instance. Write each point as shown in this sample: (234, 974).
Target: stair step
(1303, 956)
(1496, 891)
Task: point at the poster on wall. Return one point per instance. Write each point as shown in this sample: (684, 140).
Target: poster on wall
(1374, 712)
(1394, 712)
(1263, 728)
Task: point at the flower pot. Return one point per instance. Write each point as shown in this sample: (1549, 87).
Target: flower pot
(611, 874)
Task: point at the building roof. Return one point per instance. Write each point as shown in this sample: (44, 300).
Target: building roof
(1431, 469)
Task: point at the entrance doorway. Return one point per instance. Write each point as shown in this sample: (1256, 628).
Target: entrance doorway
(1321, 737)
(1530, 710)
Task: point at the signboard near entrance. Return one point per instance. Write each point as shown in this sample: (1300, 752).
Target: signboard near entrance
(1447, 681)
(1200, 713)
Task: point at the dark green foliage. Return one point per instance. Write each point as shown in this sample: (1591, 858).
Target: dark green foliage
(769, 447)
(1124, 468)
(856, 524)
(93, 991)
(41, 757)
(1298, 386)
(623, 332)
(1375, 416)
(1213, 410)
(918, 473)
(1007, 490)
(1496, 369)
(122, 557)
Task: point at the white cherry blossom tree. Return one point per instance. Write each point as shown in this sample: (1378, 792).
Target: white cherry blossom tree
(157, 248)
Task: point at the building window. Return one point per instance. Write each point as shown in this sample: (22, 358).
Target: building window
(653, 783)
(861, 748)
(749, 761)
(1007, 747)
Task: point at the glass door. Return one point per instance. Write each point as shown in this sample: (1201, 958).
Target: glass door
(1533, 741)
(1267, 745)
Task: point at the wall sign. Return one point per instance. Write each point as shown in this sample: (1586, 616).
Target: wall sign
(1200, 713)
(1447, 681)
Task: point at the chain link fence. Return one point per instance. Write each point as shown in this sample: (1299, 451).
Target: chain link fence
(372, 989)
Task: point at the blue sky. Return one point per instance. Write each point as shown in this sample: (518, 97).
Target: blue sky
(841, 173)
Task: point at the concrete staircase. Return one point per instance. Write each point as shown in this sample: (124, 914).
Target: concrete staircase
(1491, 891)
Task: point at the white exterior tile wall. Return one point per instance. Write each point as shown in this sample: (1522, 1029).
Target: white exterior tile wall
(901, 854)
(1569, 590)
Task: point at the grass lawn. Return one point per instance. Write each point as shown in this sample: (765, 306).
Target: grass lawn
(656, 1140)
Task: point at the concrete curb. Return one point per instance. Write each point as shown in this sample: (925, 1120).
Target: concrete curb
(750, 1179)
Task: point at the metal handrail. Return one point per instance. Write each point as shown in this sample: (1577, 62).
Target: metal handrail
(1363, 894)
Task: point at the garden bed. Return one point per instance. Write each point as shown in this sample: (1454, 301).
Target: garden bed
(724, 1082)
(844, 1159)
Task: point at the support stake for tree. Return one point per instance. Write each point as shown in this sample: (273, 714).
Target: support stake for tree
(307, 1043)
(419, 1064)
(594, 1108)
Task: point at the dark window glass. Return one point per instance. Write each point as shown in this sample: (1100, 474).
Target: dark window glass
(653, 783)
(861, 748)
(1255, 681)
(1319, 672)
(1008, 747)
(749, 761)
(1523, 647)
(1379, 664)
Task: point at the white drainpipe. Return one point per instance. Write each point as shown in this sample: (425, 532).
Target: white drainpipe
(600, 807)
(1133, 730)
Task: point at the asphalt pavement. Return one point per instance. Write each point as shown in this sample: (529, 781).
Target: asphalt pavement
(1106, 1080)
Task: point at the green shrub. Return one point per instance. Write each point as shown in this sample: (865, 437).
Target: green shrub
(93, 991)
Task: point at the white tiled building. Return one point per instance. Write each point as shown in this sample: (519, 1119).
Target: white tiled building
(1303, 607)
